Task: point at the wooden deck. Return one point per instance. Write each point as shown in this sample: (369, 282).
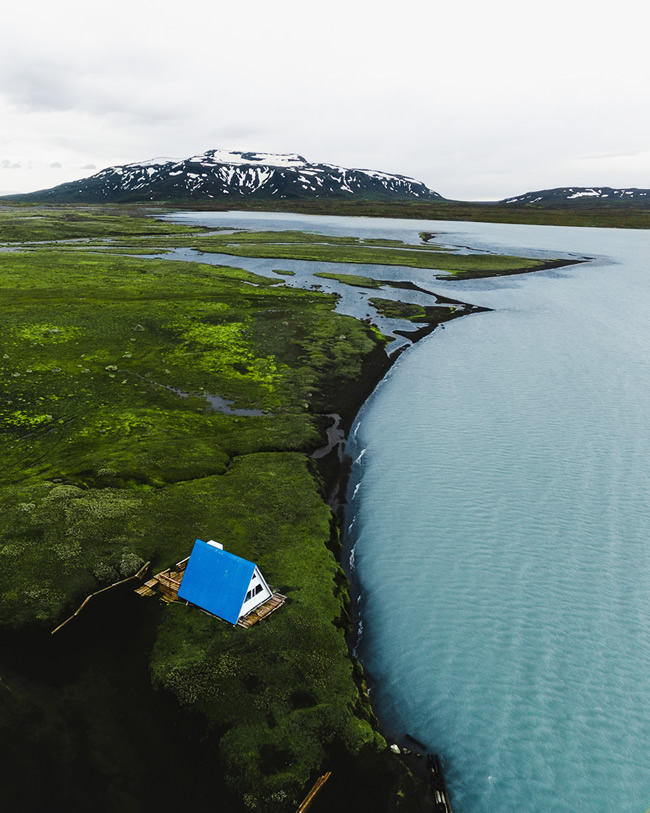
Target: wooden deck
(270, 606)
(168, 580)
(147, 589)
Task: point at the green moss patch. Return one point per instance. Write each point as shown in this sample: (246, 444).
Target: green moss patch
(350, 279)
(417, 256)
(28, 222)
(394, 309)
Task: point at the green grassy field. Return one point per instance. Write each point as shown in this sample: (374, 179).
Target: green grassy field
(289, 245)
(414, 257)
(112, 456)
(354, 280)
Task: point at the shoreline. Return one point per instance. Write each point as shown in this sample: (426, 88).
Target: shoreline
(412, 761)
(544, 266)
(410, 766)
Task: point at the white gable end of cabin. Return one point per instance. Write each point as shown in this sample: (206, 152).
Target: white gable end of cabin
(258, 592)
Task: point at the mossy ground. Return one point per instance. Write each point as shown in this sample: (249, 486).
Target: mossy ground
(321, 248)
(415, 256)
(111, 455)
(33, 222)
(350, 279)
(395, 309)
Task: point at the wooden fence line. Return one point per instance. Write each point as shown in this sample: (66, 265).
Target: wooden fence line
(137, 575)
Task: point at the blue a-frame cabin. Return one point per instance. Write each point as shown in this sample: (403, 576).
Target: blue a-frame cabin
(222, 583)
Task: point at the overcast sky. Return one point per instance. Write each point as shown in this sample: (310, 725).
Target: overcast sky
(480, 100)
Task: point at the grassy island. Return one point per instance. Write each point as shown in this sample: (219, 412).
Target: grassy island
(111, 455)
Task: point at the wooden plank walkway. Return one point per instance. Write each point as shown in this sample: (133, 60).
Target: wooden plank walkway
(275, 602)
(143, 590)
(309, 798)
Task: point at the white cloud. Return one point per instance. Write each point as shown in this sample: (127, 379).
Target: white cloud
(476, 99)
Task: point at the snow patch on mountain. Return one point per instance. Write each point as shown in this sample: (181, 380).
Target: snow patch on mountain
(587, 193)
(569, 193)
(218, 173)
(212, 157)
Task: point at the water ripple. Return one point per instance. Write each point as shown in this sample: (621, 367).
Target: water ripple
(505, 512)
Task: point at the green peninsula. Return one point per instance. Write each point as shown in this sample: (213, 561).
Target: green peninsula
(113, 456)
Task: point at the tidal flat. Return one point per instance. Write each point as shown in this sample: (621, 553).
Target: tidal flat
(113, 456)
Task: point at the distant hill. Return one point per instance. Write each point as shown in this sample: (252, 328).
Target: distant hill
(581, 196)
(223, 175)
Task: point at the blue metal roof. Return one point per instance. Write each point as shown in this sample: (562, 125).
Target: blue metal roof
(216, 581)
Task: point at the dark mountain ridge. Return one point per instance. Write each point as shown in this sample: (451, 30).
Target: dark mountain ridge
(222, 174)
(582, 196)
(218, 178)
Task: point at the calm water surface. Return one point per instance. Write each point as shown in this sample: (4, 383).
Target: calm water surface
(500, 526)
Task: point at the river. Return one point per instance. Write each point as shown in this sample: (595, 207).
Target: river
(499, 523)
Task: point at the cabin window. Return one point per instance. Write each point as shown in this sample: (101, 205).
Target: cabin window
(253, 592)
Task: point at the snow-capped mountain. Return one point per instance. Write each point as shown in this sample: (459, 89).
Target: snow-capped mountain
(580, 195)
(222, 174)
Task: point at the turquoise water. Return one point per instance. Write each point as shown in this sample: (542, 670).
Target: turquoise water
(501, 531)
(499, 526)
